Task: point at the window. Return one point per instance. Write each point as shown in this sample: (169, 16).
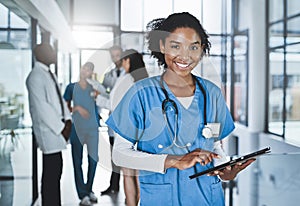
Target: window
(132, 21)
(181, 6)
(17, 22)
(15, 58)
(135, 18)
(93, 37)
(93, 42)
(156, 9)
(3, 16)
(241, 79)
(283, 65)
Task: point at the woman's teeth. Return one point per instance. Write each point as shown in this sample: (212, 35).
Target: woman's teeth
(182, 65)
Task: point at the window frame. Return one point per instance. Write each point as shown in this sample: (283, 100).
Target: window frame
(282, 49)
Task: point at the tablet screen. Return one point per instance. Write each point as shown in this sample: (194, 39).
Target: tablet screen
(233, 162)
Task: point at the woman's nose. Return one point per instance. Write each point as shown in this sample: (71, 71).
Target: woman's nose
(184, 54)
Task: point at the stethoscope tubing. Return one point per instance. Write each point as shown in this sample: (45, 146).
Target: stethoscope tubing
(174, 139)
(167, 98)
(172, 102)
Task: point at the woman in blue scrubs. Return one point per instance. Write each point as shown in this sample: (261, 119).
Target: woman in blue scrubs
(170, 126)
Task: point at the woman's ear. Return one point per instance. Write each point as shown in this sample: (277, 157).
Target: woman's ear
(161, 46)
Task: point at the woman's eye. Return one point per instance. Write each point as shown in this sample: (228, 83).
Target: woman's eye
(194, 47)
(175, 46)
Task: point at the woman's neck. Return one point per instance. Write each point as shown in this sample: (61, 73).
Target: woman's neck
(83, 83)
(180, 86)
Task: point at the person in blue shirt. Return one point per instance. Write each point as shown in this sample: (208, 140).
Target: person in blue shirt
(170, 126)
(84, 131)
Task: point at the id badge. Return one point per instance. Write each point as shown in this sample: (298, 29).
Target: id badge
(211, 130)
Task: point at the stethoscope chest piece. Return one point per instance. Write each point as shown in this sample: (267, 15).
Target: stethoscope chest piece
(207, 132)
(211, 130)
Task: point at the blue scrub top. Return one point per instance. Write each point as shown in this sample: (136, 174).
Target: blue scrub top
(82, 97)
(139, 119)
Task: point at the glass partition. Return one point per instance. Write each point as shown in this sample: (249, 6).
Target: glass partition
(292, 99)
(293, 7)
(276, 10)
(273, 179)
(276, 93)
(284, 75)
(279, 179)
(241, 79)
(212, 21)
(276, 35)
(15, 122)
(15, 162)
(3, 16)
(153, 11)
(182, 6)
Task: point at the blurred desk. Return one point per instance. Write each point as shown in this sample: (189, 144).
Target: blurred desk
(9, 116)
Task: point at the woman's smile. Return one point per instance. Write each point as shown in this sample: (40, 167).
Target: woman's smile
(182, 65)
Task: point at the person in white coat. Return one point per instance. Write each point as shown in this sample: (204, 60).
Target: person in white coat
(51, 121)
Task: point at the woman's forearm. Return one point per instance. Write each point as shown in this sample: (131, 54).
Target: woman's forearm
(125, 155)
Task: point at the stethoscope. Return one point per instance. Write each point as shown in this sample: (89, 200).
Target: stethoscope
(167, 102)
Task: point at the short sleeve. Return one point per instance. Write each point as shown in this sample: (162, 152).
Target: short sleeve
(128, 117)
(222, 114)
(69, 92)
(217, 110)
(225, 118)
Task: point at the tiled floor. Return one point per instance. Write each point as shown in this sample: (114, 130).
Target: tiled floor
(101, 182)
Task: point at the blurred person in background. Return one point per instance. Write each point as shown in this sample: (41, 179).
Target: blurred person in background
(51, 121)
(80, 98)
(134, 66)
(109, 81)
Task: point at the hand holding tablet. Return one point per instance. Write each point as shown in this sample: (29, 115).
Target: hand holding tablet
(245, 159)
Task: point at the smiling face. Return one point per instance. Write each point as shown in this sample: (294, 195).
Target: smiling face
(182, 50)
(86, 72)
